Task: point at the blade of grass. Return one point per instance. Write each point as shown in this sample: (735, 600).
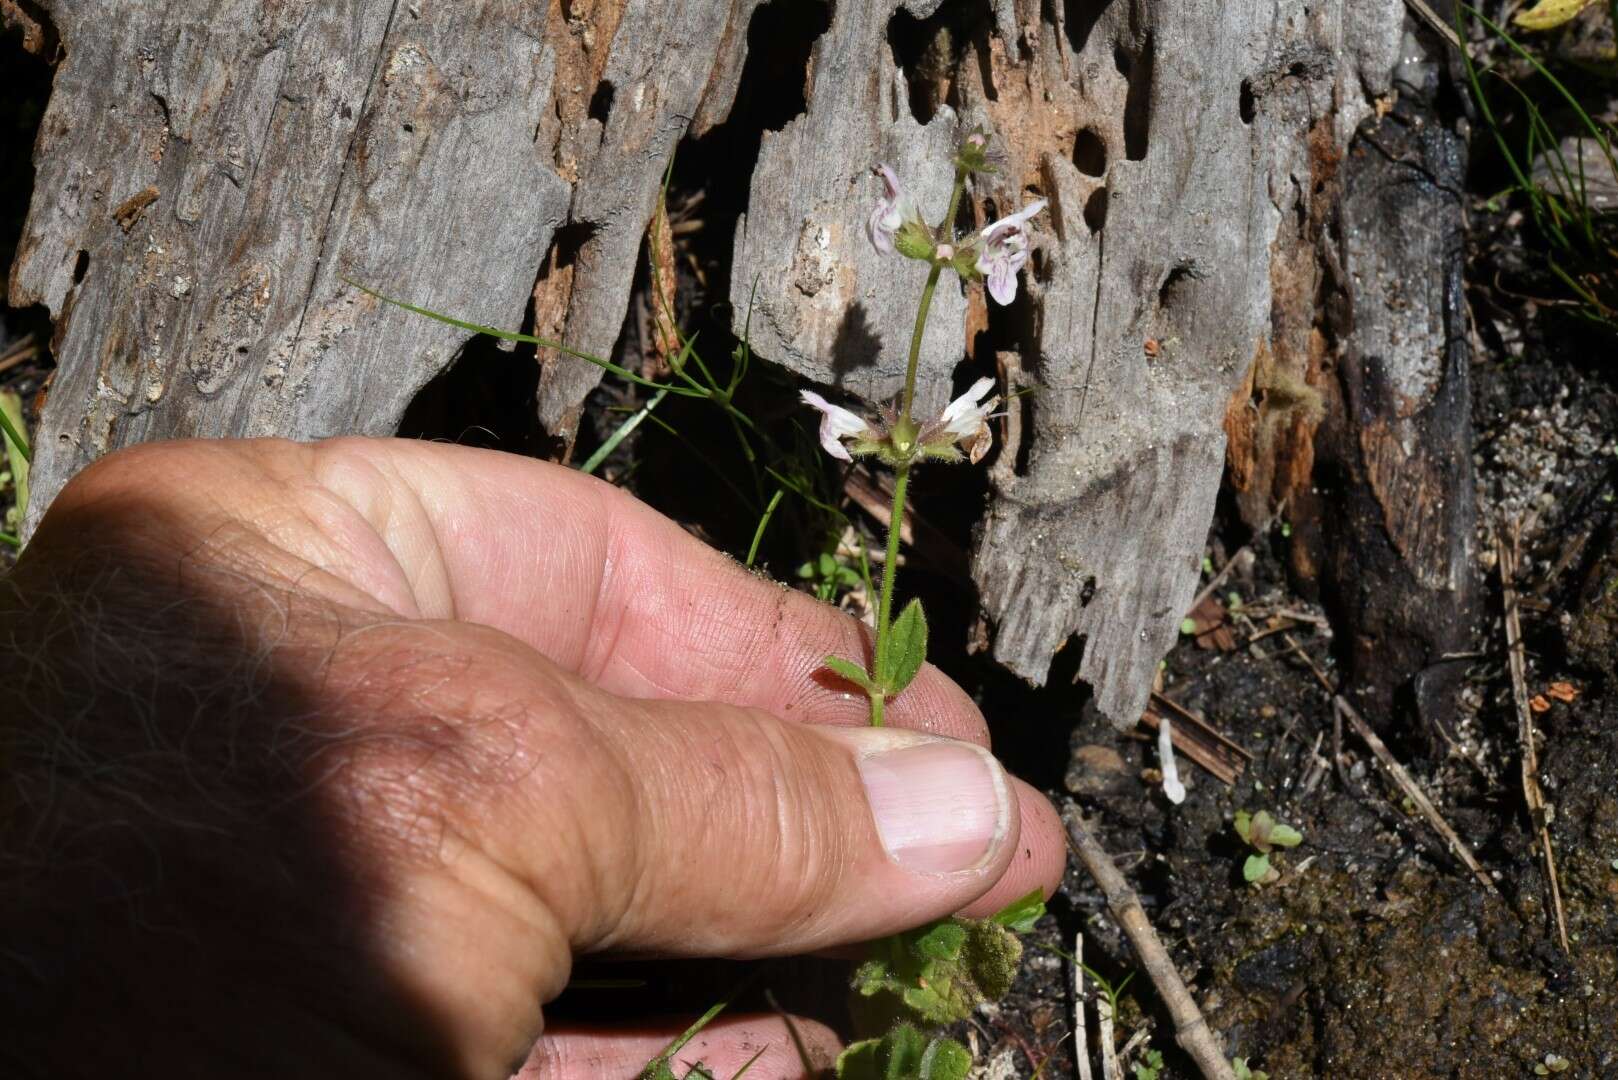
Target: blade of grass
(705, 1019)
(11, 423)
(529, 339)
(764, 523)
(10, 541)
(605, 449)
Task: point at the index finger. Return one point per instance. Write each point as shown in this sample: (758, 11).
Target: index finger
(586, 574)
(605, 586)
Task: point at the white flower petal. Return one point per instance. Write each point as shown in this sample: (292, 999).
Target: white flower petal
(1002, 282)
(836, 424)
(967, 404)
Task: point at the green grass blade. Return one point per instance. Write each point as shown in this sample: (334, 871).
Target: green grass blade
(764, 523)
(10, 541)
(605, 449)
(11, 423)
(527, 339)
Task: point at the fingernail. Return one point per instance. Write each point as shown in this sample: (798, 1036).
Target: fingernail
(940, 806)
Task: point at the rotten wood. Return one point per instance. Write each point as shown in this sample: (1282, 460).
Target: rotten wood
(1191, 1031)
(1387, 520)
(1186, 148)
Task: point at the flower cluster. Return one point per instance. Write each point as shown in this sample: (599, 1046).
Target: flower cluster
(961, 430)
(995, 254)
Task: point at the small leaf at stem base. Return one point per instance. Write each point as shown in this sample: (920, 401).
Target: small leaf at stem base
(907, 649)
(855, 674)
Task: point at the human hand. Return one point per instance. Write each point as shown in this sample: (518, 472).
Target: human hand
(330, 759)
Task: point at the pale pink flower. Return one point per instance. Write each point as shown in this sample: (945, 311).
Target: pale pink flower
(1005, 249)
(890, 213)
(837, 424)
(966, 420)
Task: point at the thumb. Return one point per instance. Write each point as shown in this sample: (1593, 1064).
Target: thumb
(734, 833)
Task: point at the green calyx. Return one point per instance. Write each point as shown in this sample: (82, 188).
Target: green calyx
(915, 240)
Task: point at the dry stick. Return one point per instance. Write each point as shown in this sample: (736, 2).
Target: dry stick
(1532, 795)
(1437, 25)
(1216, 581)
(1198, 722)
(1190, 1029)
(1403, 779)
(1110, 1069)
(1081, 1033)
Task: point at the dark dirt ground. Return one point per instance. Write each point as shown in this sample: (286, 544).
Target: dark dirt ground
(1374, 954)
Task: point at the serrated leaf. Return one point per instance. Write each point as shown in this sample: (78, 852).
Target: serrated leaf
(907, 649)
(1255, 868)
(851, 671)
(1022, 913)
(1549, 14)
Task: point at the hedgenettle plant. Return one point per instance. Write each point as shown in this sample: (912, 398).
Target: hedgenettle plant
(896, 436)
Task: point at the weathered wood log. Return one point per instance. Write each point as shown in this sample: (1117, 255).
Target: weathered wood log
(207, 177)
(1398, 562)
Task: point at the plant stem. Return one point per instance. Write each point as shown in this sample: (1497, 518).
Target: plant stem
(927, 298)
(890, 570)
(901, 474)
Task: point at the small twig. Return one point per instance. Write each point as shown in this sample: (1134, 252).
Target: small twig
(1110, 1069)
(1216, 581)
(1423, 11)
(1191, 1031)
(1506, 562)
(1142, 1033)
(1202, 725)
(1403, 779)
(20, 352)
(1081, 1032)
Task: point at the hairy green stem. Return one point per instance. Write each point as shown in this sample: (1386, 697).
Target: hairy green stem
(890, 570)
(901, 474)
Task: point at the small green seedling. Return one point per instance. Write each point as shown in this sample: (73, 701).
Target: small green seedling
(1263, 833)
(829, 576)
(1553, 1064)
(1151, 1067)
(1239, 1067)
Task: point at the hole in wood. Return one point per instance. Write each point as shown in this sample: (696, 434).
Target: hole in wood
(601, 102)
(1090, 153)
(1138, 101)
(1172, 295)
(1079, 18)
(1095, 210)
(1246, 104)
(928, 52)
(81, 266)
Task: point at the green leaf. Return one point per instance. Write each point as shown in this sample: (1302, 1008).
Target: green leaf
(851, 671)
(1256, 867)
(907, 649)
(1022, 913)
(1285, 836)
(1244, 826)
(945, 1059)
(941, 941)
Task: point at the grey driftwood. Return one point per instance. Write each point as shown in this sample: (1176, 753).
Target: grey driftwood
(208, 175)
